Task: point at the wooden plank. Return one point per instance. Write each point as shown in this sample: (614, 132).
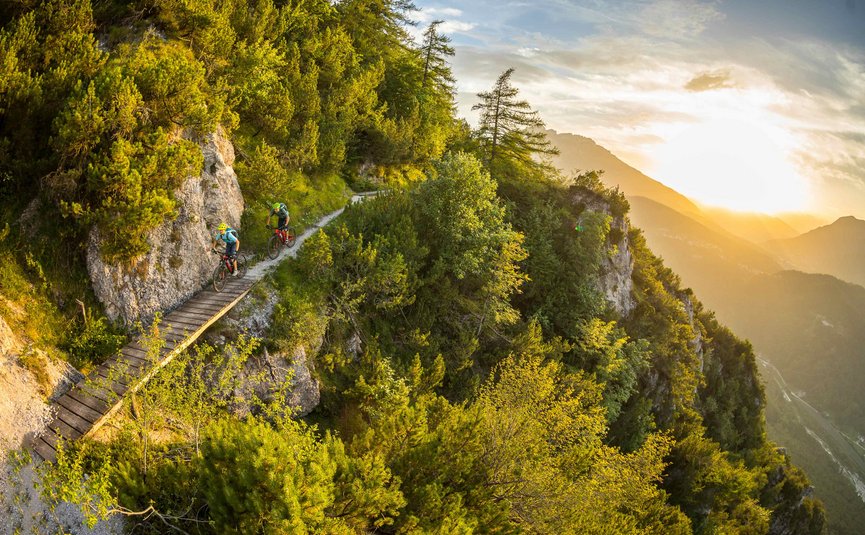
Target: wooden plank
(108, 387)
(189, 317)
(105, 376)
(87, 400)
(97, 404)
(182, 322)
(123, 377)
(204, 307)
(167, 330)
(51, 437)
(81, 410)
(131, 350)
(45, 450)
(144, 351)
(134, 362)
(210, 295)
(69, 425)
(222, 297)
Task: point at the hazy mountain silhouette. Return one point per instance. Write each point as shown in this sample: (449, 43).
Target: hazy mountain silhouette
(757, 228)
(702, 256)
(837, 249)
(578, 152)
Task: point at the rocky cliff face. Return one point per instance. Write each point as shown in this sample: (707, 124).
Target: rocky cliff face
(178, 263)
(265, 375)
(697, 341)
(27, 377)
(614, 278)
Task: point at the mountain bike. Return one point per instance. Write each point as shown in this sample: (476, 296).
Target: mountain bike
(285, 237)
(225, 269)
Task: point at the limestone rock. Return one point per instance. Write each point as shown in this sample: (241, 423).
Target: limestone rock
(615, 275)
(178, 263)
(696, 342)
(265, 376)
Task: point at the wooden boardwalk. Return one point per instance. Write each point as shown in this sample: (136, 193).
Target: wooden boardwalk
(90, 403)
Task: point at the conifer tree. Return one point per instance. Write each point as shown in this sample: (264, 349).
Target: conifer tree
(436, 49)
(509, 128)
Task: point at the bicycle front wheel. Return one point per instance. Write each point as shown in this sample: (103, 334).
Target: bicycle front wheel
(220, 275)
(274, 246)
(292, 237)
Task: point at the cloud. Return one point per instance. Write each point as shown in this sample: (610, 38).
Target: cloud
(633, 75)
(709, 81)
(677, 18)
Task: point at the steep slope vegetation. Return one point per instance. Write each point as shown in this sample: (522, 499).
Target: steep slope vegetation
(497, 350)
(783, 314)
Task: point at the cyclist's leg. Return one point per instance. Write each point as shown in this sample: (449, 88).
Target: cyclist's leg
(231, 252)
(282, 222)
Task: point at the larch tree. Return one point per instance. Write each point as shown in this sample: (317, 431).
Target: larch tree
(509, 127)
(436, 49)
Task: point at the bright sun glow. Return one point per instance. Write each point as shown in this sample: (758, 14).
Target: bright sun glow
(738, 164)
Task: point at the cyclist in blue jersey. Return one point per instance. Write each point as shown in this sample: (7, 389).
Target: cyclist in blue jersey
(229, 236)
(280, 210)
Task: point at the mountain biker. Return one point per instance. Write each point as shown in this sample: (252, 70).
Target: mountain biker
(229, 236)
(281, 211)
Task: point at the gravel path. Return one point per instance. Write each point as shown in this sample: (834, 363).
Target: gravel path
(260, 269)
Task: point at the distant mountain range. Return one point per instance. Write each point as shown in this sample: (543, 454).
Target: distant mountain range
(807, 323)
(837, 249)
(581, 153)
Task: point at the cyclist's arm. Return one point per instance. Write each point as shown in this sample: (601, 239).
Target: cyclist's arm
(268, 218)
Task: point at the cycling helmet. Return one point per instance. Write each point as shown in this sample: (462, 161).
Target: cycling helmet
(275, 206)
(222, 227)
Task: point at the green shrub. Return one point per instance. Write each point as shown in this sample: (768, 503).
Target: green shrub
(92, 340)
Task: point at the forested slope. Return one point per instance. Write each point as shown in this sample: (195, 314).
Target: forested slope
(474, 375)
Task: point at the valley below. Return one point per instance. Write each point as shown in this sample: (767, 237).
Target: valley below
(834, 461)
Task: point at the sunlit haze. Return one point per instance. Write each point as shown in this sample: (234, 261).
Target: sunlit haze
(752, 106)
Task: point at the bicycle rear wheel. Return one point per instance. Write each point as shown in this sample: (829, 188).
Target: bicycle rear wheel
(291, 238)
(220, 275)
(274, 246)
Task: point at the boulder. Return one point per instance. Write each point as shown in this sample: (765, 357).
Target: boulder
(178, 263)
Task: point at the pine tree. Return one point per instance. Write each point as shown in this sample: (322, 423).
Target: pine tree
(436, 49)
(509, 128)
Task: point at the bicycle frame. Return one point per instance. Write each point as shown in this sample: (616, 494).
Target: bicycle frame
(229, 264)
(283, 235)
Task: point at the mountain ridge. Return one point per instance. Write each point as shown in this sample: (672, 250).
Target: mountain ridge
(836, 249)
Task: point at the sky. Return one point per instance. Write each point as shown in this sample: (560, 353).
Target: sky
(752, 105)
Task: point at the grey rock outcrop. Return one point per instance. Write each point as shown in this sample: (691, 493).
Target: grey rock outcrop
(178, 263)
(265, 375)
(696, 342)
(272, 374)
(615, 275)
